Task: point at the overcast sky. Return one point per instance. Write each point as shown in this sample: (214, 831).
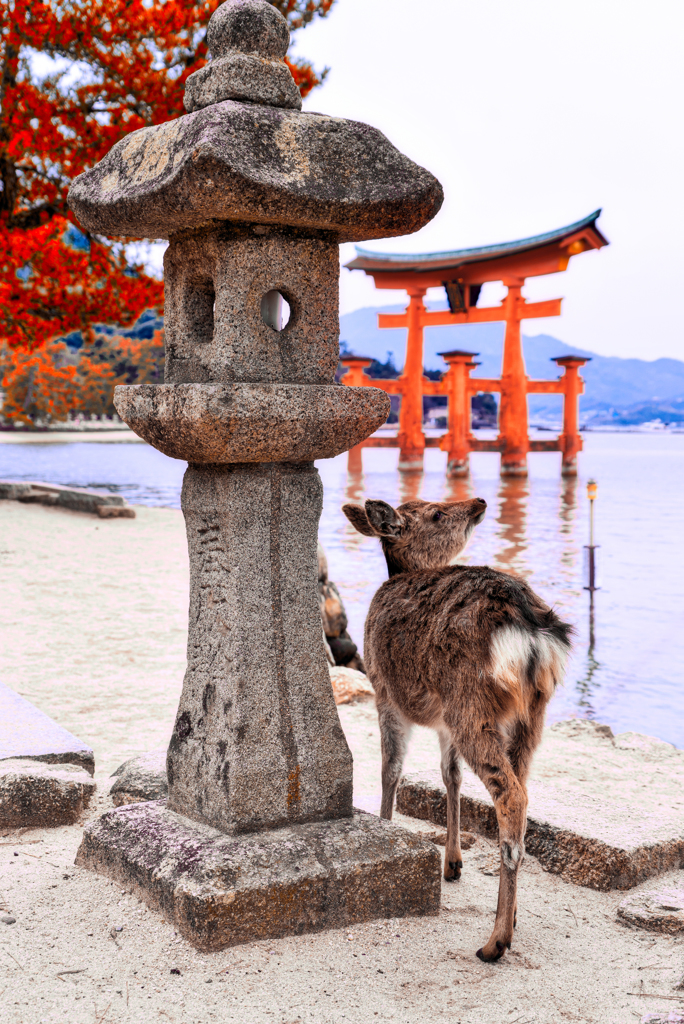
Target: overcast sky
(531, 113)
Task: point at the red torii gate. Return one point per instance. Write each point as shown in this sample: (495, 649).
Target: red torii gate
(462, 274)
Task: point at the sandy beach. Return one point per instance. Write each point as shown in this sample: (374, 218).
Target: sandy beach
(93, 632)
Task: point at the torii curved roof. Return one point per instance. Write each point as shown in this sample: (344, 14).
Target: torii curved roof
(584, 230)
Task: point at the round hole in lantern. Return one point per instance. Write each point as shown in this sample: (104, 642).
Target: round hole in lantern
(275, 310)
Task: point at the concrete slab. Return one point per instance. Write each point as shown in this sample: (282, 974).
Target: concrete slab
(220, 890)
(656, 910)
(27, 732)
(78, 499)
(605, 811)
(35, 795)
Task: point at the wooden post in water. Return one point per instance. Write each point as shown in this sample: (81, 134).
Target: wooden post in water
(570, 441)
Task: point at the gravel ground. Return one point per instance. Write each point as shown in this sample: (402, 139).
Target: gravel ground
(93, 632)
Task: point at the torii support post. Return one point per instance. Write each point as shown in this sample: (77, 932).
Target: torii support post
(570, 441)
(513, 428)
(356, 377)
(411, 438)
(456, 441)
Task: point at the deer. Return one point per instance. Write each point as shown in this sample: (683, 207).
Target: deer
(469, 651)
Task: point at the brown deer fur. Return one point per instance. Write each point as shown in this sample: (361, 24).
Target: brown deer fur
(470, 652)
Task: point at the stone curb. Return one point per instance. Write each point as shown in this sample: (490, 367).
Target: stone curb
(78, 499)
(575, 826)
(28, 733)
(38, 795)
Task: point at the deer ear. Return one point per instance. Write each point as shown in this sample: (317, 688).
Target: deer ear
(359, 520)
(385, 520)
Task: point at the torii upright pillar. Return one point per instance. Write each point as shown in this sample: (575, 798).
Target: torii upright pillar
(513, 425)
(411, 439)
(570, 441)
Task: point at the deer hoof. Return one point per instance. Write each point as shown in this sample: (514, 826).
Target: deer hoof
(490, 958)
(452, 870)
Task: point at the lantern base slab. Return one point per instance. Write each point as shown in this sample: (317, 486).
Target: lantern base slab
(222, 890)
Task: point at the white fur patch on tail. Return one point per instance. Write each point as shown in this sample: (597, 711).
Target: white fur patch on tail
(509, 654)
(512, 649)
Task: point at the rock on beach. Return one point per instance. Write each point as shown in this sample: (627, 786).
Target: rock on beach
(38, 795)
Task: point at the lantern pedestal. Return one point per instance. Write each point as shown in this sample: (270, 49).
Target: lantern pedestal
(219, 890)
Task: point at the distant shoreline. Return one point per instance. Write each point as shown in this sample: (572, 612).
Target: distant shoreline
(124, 435)
(114, 435)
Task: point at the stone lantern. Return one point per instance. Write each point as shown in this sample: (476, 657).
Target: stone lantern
(258, 837)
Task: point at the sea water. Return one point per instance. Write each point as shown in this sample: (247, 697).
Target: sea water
(628, 661)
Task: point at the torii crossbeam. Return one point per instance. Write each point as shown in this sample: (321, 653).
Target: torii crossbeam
(462, 274)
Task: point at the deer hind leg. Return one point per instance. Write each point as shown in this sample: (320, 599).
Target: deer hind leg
(451, 775)
(523, 741)
(394, 734)
(488, 759)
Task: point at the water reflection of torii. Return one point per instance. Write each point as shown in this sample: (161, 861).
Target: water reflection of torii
(513, 496)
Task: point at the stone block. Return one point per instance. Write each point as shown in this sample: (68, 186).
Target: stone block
(221, 890)
(256, 721)
(242, 76)
(245, 162)
(115, 512)
(141, 779)
(656, 910)
(26, 732)
(223, 424)
(605, 812)
(13, 489)
(37, 795)
(78, 499)
(215, 331)
(350, 686)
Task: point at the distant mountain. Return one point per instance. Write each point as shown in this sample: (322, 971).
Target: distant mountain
(143, 329)
(611, 382)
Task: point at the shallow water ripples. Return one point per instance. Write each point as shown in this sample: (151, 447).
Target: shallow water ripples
(626, 668)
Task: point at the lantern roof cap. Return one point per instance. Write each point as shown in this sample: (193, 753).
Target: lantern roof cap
(246, 154)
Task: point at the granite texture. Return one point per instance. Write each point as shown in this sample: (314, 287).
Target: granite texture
(257, 742)
(37, 795)
(251, 26)
(140, 779)
(214, 283)
(604, 812)
(230, 423)
(242, 76)
(26, 732)
(243, 162)
(656, 910)
(221, 890)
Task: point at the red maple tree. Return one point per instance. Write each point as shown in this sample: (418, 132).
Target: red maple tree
(75, 77)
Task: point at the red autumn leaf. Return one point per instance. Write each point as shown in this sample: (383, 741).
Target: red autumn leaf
(74, 79)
